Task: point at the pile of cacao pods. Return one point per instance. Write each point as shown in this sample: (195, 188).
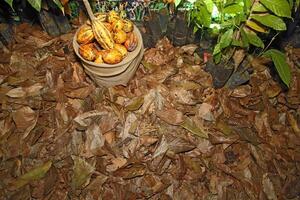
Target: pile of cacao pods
(107, 39)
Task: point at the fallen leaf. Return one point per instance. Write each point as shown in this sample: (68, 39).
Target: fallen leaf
(84, 118)
(268, 188)
(134, 104)
(171, 116)
(94, 140)
(205, 112)
(34, 174)
(189, 125)
(25, 119)
(82, 172)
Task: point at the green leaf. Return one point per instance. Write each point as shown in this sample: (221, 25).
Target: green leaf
(177, 2)
(254, 39)
(281, 65)
(59, 5)
(203, 16)
(244, 38)
(217, 58)
(258, 7)
(209, 5)
(271, 21)
(34, 174)
(233, 9)
(10, 3)
(217, 49)
(226, 39)
(279, 7)
(36, 4)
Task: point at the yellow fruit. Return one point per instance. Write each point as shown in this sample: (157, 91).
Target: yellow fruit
(103, 35)
(117, 25)
(99, 59)
(122, 49)
(85, 35)
(87, 51)
(108, 26)
(131, 41)
(112, 16)
(101, 16)
(128, 26)
(120, 37)
(112, 56)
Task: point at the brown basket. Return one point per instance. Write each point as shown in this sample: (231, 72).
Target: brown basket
(117, 74)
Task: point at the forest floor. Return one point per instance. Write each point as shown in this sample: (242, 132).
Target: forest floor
(167, 135)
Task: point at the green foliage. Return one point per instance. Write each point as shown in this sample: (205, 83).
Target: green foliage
(37, 4)
(242, 22)
(281, 65)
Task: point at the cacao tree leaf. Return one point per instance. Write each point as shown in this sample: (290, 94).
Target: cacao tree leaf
(204, 16)
(36, 4)
(59, 5)
(226, 39)
(217, 49)
(258, 7)
(279, 7)
(177, 2)
(10, 3)
(233, 9)
(254, 39)
(244, 38)
(281, 65)
(255, 26)
(34, 174)
(271, 21)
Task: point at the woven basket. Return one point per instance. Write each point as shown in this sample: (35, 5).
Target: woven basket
(117, 74)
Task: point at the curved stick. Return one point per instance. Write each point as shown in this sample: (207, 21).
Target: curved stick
(89, 9)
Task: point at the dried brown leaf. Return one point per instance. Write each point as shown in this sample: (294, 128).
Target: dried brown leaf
(171, 116)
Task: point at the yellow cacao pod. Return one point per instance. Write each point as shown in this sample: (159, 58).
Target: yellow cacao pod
(122, 49)
(131, 41)
(117, 25)
(113, 16)
(85, 35)
(108, 26)
(128, 26)
(112, 56)
(102, 35)
(99, 59)
(120, 37)
(87, 51)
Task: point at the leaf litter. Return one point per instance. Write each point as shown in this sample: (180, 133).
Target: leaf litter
(167, 135)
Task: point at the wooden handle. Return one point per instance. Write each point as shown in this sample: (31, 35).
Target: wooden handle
(89, 9)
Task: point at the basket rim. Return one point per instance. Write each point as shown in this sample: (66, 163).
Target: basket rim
(125, 61)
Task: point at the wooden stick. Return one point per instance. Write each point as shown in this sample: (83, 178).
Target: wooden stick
(89, 9)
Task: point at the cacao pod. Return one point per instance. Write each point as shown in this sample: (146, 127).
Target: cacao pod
(87, 51)
(85, 35)
(102, 35)
(112, 16)
(122, 49)
(112, 56)
(99, 16)
(128, 26)
(131, 41)
(108, 26)
(117, 25)
(120, 37)
(99, 59)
